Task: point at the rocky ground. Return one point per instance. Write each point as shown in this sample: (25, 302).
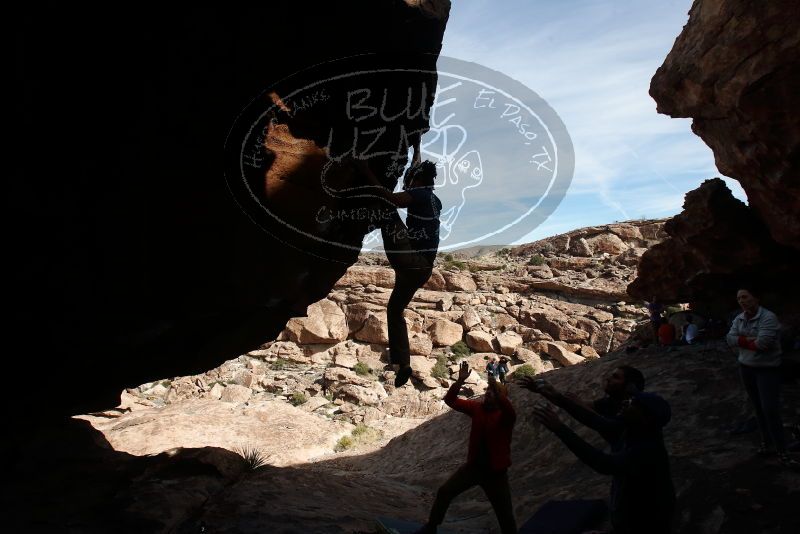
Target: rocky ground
(308, 434)
(553, 303)
(723, 487)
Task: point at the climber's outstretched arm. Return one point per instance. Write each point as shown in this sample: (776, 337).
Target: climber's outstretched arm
(401, 199)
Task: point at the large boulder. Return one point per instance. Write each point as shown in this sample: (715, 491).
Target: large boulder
(507, 342)
(286, 350)
(580, 247)
(459, 281)
(562, 354)
(696, 264)
(325, 323)
(444, 333)
(470, 317)
(480, 341)
(162, 265)
(608, 243)
(588, 352)
(366, 275)
(422, 370)
(420, 344)
(374, 330)
(554, 323)
(216, 391)
(346, 384)
(734, 71)
(345, 358)
(236, 393)
(532, 358)
(436, 282)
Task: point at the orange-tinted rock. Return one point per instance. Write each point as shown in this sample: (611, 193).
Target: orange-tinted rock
(734, 71)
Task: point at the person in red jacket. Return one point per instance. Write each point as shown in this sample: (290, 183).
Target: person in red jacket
(666, 333)
(489, 454)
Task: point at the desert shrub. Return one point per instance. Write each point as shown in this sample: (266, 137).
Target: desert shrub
(279, 364)
(359, 435)
(360, 430)
(298, 398)
(344, 443)
(536, 259)
(448, 257)
(460, 350)
(504, 252)
(439, 369)
(455, 264)
(252, 456)
(484, 267)
(523, 371)
(362, 369)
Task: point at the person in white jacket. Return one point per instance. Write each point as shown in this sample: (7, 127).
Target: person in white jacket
(755, 334)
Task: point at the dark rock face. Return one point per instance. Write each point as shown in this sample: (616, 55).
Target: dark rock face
(735, 70)
(133, 259)
(716, 244)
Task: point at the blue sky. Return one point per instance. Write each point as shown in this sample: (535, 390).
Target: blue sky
(592, 61)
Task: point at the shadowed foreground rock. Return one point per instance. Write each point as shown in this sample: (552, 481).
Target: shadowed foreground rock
(722, 486)
(133, 261)
(716, 244)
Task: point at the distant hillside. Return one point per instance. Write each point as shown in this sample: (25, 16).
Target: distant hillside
(476, 251)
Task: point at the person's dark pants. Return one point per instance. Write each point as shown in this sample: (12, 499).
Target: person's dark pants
(495, 485)
(412, 269)
(406, 284)
(763, 386)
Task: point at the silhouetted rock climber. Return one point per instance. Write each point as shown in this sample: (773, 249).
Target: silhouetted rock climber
(755, 335)
(603, 415)
(489, 453)
(642, 494)
(411, 250)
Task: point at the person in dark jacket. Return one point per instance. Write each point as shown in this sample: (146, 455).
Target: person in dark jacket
(410, 248)
(491, 368)
(502, 369)
(642, 494)
(604, 415)
(488, 457)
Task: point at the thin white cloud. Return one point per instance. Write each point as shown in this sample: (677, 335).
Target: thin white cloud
(592, 60)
